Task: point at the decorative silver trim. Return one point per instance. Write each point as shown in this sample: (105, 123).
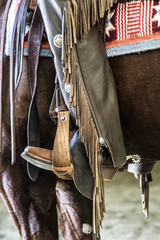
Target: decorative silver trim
(63, 118)
(67, 88)
(86, 228)
(58, 40)
(101, 141)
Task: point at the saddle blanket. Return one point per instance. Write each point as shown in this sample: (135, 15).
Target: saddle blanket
(132, 26)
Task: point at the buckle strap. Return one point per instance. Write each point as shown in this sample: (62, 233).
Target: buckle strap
(34, 45)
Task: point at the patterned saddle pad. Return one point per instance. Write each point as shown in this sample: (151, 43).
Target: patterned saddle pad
(133, 26)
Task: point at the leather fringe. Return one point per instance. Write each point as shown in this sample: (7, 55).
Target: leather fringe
(89, 136)
(79, 16)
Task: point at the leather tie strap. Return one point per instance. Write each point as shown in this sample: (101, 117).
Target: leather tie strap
(34, 45)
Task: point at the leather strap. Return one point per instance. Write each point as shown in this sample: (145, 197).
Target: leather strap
(21, 27)
(34, 44)
(57, 103)
(21, 9)
(3, 32)
(61, 108)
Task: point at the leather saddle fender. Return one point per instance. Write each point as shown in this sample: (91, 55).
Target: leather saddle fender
(81, 166)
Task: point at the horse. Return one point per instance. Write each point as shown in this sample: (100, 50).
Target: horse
(38, 208)
(49, 202)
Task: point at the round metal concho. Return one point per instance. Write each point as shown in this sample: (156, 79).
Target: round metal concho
(101, 141)
(58, 40)
(63, 118)
(67, 88)
(86, 228)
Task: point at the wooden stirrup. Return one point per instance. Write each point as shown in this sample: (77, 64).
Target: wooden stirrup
(61, 156)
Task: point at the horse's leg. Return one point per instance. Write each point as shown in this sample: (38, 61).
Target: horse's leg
(42, 210)
(74, 212)
(32, 204)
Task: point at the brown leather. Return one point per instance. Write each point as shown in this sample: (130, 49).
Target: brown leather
(101, 92)
(61, 108)
(34, 46)
(98, 79)
(40, 206)
(61, 156)
(108, 172)
(60, 159)
(45, 155)
(22, 9)
(34, 43)
(39, 152)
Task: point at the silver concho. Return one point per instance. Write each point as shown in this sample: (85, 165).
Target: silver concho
(58, 40)
(67, 88)
(101, 141)
(63, 118)
(86, 228)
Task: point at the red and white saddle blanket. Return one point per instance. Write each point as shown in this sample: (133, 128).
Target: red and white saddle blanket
(132, 26)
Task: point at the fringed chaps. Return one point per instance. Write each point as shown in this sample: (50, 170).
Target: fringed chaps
(79, 17)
